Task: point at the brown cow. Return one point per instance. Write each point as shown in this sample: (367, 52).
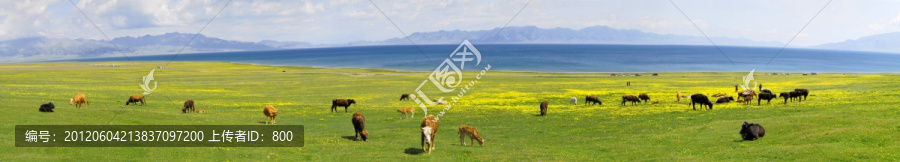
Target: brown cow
(631, 98)
(359, 126)
(472, 133)
(429, 129)
(188, 105)
(407, 110)
(270, 113)
(134, 99)
(543, 108)
(78, 100)
(341, 102)
(593, 100)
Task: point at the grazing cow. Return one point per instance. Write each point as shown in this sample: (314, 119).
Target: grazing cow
(407, 110)
(472, 133)
(404, 96)
(543, 108)
(701, 99)
(593, 100)
(752, 131)
(644, 97)
(574, 100)
(429, 129)
(47, 107)
(678, 97)
(804, 92)
(134, 99)
(765, 96)
(270, 113)
(631, 98)
(359, 126)
(725, 99)
(785, 95)
(78, 100)
(188, 105)
(341, 102)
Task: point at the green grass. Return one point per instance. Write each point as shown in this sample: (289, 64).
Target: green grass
(847, 117)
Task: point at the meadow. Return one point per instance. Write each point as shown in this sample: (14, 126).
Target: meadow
(847, 117)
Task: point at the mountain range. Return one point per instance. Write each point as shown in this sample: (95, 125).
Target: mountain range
(888, 42)
(42, 48)
(589, 35)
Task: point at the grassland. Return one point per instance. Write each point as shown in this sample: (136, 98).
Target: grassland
(847, 117)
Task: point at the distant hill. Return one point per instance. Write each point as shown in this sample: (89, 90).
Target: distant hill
(888, 42)
(42, 48)
(589, 35)
(200, 43)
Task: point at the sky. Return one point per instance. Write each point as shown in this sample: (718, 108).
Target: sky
(342, 21)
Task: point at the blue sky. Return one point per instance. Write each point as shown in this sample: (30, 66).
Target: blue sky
(341, 21)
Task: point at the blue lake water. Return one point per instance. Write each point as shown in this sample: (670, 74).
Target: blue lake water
(562, 58)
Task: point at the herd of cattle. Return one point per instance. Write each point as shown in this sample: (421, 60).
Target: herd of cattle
(429, 126)
(745, 97)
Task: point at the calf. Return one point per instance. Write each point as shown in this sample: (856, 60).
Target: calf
(407, 110)
(78, 100)
(472, 133)
(47, 107)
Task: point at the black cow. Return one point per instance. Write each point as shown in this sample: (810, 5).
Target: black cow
(752, 131)
(765, 96)
(786, 96)
(701, 99)
(804, 92)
